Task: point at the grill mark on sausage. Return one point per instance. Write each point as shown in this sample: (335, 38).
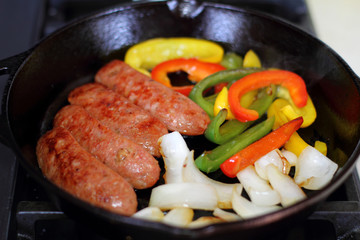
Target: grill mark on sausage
(175, 110)
(124, 156)
(65, 163)
(120, 115)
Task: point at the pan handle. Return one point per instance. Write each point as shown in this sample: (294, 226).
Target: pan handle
(11, 64)
(185, 8)
(8, 66)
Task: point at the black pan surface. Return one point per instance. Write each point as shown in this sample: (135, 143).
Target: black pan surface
(42, 77)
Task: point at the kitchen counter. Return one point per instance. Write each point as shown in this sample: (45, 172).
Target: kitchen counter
(337, 23)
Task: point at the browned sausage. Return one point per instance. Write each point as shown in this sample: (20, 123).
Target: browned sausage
(65, 163)
(127, 158)
(120, 115)
(177, 111)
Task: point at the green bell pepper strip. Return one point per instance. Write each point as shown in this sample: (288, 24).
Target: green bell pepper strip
(232, 61)
(220, 132)
(210, 161)
(196, 93)
(212, 98)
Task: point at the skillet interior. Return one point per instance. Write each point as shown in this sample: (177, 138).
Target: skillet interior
(72, 55)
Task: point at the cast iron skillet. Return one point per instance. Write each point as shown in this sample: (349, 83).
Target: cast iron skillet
(41, 78)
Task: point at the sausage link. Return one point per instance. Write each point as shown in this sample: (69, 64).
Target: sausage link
(120, 115)
(65, 163)
(177, 111)
(127, 158)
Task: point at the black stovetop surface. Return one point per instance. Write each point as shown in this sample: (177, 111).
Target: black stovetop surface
(26, 212)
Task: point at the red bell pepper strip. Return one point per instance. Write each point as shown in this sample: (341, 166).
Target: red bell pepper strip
(293, 82)
(196, 70)
(254, 151)
(219, 87)
(185, 90)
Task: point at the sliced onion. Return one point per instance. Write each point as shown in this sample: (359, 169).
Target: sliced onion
(274, 158)
(289, 191)
(180, 216)
(150, 213)
(174, 150)
(192, 173)
(204, 221)
(225, 215)
(247, 209)
(313, 169)
(258, 189)
(192, 195)
(290, 156)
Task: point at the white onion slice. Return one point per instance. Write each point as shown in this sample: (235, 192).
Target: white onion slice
(290, 156)
(274, 158)
(289, 191)
(247, 209)
(174, 150)
(192, 173)
(180, 217)
(225, 215)
(313, 169)
(258, 189)
(204, 221)
(150, 213)
(192, 195)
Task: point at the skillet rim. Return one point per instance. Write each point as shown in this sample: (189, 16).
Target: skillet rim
(206, 231)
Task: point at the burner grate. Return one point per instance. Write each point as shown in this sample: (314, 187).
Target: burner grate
(337, 218)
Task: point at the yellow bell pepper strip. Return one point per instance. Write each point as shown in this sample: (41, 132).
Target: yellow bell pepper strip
(210, 161)
(291, 111)
(251, 59)
(254, 151)
(226, 76)
(220, 132)
(293, 82)
(321, 147)
(146, 55)
(232, 60)
(248, 98)
(196, 70)
(275, 109)
(221, 102)
(295, 144)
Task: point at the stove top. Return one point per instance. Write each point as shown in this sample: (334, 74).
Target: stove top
(27, 212)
